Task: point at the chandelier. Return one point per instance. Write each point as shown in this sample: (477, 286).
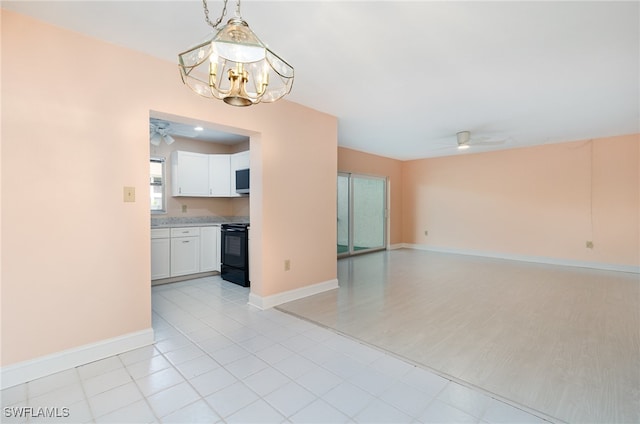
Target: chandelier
(233, 65)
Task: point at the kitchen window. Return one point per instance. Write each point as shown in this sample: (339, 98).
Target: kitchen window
(157, 185)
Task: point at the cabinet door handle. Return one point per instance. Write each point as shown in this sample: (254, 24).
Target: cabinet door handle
(185, 241)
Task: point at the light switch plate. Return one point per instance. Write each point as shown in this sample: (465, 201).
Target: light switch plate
(129, 194)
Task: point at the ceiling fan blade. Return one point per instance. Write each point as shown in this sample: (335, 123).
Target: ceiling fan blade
(486, 141)
(489, 143)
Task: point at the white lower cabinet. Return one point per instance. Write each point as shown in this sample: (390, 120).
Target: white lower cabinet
(185, 256)
(209, 250)
(186, 250)
(160, 253)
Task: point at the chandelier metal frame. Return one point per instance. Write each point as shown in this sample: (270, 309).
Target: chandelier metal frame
(254, 73)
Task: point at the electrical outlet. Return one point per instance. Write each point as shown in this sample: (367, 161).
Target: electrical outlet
(129, 194)
(184, 208)
(589, 244)
(287, 264)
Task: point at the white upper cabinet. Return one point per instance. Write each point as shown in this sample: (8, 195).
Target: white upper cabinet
(189, 174)
(219, 175)
(240, 160)
(205, 175)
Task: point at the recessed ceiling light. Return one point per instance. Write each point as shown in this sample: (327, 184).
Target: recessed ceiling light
(199, 129)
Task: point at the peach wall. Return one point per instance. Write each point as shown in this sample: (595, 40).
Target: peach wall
(300, 200)
(75, 257)
(544, 201)
(365, 163)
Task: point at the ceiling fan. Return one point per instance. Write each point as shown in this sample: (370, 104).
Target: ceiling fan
(158, 131)
(465, 141)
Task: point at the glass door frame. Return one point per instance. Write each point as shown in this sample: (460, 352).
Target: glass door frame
(350, 196)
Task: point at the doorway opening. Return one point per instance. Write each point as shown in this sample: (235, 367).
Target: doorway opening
(362, 213)
(194, 166)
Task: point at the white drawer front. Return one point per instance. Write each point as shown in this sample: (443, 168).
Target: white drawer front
(157, 233)
(185, 232)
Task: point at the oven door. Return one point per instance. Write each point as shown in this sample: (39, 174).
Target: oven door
(234, 247)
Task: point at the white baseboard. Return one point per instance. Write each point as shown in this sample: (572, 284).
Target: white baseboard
(268, 302)
(395, 246)
(525, 258)
(22, 372)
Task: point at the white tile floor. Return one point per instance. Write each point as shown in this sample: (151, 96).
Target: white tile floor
(218, 360)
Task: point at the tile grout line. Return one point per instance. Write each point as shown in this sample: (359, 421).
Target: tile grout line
(316, 397)
(374, 397)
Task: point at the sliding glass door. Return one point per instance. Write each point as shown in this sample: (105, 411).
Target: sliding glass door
(362, 213)
(343, 214)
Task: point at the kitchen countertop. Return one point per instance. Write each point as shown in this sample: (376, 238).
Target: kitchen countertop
(175, 222)
(203, 224)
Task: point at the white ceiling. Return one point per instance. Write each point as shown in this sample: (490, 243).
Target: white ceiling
(175, 126)
(403, 77)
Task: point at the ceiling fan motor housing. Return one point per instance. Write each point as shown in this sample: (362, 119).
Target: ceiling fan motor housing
(463, 137)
